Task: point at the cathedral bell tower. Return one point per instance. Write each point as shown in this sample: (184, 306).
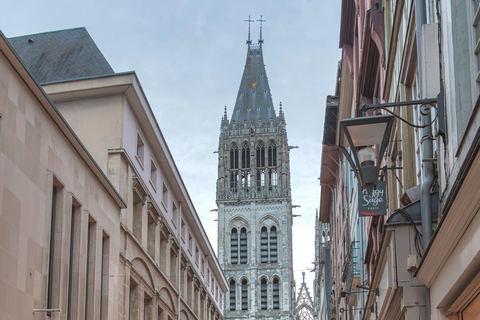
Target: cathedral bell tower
(254, 200)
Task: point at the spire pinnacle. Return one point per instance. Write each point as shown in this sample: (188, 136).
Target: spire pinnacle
(249, 42)
(261, 21)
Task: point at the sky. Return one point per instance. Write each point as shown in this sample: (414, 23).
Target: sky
(189, 56)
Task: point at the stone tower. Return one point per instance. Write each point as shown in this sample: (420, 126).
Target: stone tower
(254, 201)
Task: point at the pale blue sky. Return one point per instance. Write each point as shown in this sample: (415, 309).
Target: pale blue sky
(189, 56)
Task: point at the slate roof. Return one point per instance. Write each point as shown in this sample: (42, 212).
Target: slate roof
(61, 55)
(254, 100)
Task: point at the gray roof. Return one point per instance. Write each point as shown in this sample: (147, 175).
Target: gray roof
(254, 101)
(61, 55)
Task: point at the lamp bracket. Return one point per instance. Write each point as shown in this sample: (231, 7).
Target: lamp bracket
(365, 107)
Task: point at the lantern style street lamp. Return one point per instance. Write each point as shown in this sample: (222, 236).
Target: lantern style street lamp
(361, 135)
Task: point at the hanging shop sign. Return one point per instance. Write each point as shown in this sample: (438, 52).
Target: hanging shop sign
(374, 204)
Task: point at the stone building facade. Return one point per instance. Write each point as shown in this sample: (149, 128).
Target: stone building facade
(161, 263)
(254, 201)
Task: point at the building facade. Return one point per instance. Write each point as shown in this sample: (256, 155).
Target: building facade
(161, 263)
(419, 261)
(254, 201)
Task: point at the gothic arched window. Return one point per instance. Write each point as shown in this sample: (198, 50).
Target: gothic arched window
(246, 181)
(260, 155)
(272, 154)
(264, 245)
(243, 246)
(233, 295)
(273, 245)
(244, 294)
(263, 294)
(234, 246)
(234, 156)
(245, 156)
(276, 293)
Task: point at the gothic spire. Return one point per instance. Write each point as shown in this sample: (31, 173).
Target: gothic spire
(254, 105)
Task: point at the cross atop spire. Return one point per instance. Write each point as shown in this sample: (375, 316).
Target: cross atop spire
(261, 21)
(249, 42)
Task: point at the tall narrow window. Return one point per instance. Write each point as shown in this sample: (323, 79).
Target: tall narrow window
(273, 245)
(140, 149)
(234, 157)
(234, 181)
(263, 294)
(260, 155)
(234, 246)
(153, 174)
(54, 260)
(246, 181)
(260, 180)
(243, 246)
(272, 179)
(165, 196)
(264, 245)
(72, 298)
(244, 294)
(174, 213)
(104, 277)
(90, 276)
(272, 154)
(245, 156)
(276, 294)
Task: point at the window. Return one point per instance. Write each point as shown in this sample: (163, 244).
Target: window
(197, 255)
(245, 156)
(54, 258)
(190, 243)
(243, 246)
(264, 245)
(260, 180)
(273, 245)
(234, 156)
(233, 295)
(234, 181)
(104, 277)
(153, 174)
(174, 213)
(140, 149)
(202, 268)
(263, 294)
(246, 181)
(272, 179)
(244, 294)
(182, 230)
(260, 155)
(272, 154)
(90, 276)
(276, 294)
(151, 226)
(73, 261)
(165, 196)
(234, 246)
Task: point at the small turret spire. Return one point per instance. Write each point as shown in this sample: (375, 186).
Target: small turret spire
(261, 21)
(249, 42)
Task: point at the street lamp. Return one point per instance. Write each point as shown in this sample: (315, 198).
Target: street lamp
(361, 134)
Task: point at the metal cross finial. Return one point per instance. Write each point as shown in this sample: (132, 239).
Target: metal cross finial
(261, 21)
(249, 20)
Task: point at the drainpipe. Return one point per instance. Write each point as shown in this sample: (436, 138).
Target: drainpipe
(427, 144)
(335, 248)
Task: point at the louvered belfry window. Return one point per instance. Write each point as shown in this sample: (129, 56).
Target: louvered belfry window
(263, 294)
(233, 295)
(264, 245)
(273, 245)
(234, 157)
(272, 154)
(243, 246)
(276, 294)
(234, 246)
(244, 295)
(245, 156)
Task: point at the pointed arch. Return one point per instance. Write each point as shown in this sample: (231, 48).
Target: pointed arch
(245, 155)
(234, 246)
(273, 245)
(234, 156)
(276, 293)
(260, 154)
(233, 294)
(244, 294)
(272, 154)
(243, 246)
(264, 245)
